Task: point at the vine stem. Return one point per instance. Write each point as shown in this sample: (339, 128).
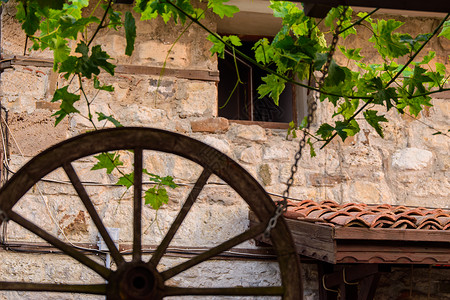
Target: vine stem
(359, 21)
(87, 102)
(161, 74)
(100, 26)
(393, 78)
(237, 81)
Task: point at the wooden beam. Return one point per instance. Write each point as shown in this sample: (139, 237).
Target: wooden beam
(418, 5)
(204, 75)
(316, 10)
(313, 240)
(386, 234)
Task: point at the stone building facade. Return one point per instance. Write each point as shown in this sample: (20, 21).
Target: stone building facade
(410, 166)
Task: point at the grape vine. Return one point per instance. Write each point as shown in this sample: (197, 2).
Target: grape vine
(297, 53)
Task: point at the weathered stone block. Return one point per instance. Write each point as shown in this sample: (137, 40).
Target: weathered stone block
(251, 155)
(220, 144)
(319, 179)
(411, 159)
(24, 81)
(36, 132)
(278, 152)
(155, 52)
(211, 125)
(198, 100)
(247, 133)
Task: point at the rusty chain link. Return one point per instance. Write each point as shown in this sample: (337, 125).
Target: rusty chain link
(281, 206)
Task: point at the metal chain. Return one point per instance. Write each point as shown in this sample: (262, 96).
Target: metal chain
(312, 107)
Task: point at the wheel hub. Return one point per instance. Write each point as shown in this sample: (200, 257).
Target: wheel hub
(135, 281)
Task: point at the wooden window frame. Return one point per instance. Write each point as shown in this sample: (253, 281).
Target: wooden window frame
(265, 124)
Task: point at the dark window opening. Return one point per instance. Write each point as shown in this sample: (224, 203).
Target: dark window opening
(244, 102)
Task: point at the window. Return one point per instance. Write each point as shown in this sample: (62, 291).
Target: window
(242, 102)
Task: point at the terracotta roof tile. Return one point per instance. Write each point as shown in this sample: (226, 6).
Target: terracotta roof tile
(404, 224)
(370, 216)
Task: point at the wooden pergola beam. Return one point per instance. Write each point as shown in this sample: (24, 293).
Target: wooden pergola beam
(319, 8)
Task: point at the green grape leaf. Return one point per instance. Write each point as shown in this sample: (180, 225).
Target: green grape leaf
(264, 52)
(100, 58)
(272, 86)
(67, 101)
(292, 130)
(427, 58)
(347, 108)
(382, 94)
(126, 180)
(374, 120)
(445, 32)
(115, 21)
(60, 50)
(414, 104)
(69, 66)
(168, 181)
(29, 17)
(146, 11)
(352, 128)
(130, 33)
(336, 74)
(88, 65)
(388, 95)
(416, 81)
(70, 27)
(102, 116)
(312, 151)
(218, 47)
(141, 5)
(325, 130)
(78, 3)
(221, 9)
(304, 122)
(413, 42)
(108, 88)
(108, 161)
(156, 197)
(283, 9)
(234, 40)
(352, 54)
(386, 41)
(341, 129)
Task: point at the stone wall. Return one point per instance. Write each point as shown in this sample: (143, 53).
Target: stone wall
(409, 166)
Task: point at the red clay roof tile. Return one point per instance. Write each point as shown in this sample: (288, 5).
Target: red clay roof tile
(371, 216)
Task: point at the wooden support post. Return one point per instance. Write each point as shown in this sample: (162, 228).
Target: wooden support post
(325, 292)
(368, 286)
(358, 282)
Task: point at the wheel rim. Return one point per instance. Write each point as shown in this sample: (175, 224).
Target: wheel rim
(145, 279)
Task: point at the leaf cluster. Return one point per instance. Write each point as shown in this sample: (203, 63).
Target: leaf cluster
(299, 51)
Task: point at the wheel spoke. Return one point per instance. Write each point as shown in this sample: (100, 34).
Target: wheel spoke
(93, 213)
(251, 233)
(201, 181)
(137, 206)
(95, 289)
(99, 269)
(230, 291)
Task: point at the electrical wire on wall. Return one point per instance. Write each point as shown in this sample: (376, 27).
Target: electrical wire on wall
(23, 247)
(5, 155)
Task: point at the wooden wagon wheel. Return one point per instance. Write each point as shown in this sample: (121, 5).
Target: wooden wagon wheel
(138, 279)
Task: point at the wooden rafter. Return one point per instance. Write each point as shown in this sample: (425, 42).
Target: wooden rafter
(319, 8)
